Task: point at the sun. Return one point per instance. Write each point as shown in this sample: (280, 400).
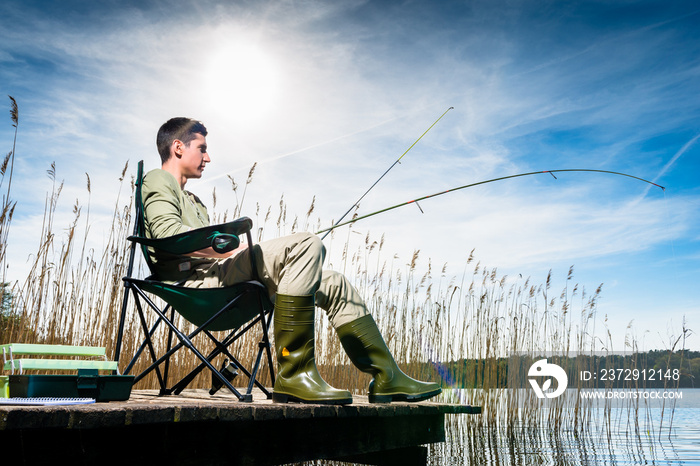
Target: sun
(241, 81)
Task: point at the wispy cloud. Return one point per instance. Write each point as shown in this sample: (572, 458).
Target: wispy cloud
(676, 156)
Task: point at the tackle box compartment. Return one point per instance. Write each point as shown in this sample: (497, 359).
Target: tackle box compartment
(86, 384)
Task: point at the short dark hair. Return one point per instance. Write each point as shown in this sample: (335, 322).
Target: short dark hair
(181, 128)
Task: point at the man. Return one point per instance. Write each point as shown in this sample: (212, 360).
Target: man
(291, 270)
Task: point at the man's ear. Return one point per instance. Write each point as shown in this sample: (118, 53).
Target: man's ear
(176, 148)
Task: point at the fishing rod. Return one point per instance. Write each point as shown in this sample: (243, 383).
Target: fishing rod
(551, 172)
(380, 178)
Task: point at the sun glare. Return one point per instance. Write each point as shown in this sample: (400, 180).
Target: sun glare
(241, 82)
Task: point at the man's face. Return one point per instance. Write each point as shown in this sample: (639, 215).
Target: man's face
(194, 156)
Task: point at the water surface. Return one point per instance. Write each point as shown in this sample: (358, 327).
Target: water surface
(652, 432)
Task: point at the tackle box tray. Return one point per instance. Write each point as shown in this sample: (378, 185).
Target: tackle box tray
(86, 384)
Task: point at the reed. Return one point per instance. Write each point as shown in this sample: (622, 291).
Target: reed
(460, 327)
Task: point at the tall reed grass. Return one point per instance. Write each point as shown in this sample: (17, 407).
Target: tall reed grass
(455, 327)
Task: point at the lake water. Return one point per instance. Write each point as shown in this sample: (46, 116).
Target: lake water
(612, 438)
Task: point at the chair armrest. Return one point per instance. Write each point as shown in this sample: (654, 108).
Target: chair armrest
(222, 237)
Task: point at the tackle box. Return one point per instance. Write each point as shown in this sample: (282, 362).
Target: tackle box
(87, 383)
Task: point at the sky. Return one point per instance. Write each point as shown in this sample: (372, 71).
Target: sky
(325, 96)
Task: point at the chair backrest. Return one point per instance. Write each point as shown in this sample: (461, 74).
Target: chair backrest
(139, 221)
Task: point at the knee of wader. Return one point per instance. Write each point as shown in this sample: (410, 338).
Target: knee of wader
(312, 244)
(335, 283)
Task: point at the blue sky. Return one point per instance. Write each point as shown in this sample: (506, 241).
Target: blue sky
(325, 96)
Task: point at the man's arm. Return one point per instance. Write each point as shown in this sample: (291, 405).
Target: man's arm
(166, 215)
(162, 207)
(209, 252)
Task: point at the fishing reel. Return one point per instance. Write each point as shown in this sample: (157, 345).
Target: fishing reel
(224, 242)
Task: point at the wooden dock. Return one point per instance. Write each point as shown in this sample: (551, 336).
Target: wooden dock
(196, 428)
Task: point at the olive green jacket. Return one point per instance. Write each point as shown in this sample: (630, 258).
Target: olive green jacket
(170, 210)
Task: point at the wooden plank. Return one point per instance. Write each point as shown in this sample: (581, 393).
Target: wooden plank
(147, 407)
(204, 429)
(201, 429)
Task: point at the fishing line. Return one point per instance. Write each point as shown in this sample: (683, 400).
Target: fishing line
(551, 172)
(383, 174)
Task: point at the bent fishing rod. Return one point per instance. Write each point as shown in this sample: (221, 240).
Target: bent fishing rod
(415, 201)
(380, 178)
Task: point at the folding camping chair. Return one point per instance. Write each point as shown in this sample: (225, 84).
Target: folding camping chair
(236, 309)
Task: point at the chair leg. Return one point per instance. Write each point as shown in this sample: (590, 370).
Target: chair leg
(206, 362)
(266, 341)
(253, 379)
(144, 326)
(142, 347)
(185, 340)
(222, 348)
(170, 343)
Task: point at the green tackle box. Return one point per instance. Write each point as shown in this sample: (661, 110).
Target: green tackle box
(87, 383)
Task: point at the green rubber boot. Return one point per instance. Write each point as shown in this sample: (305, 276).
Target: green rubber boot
(366, 348)
(297, 376)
